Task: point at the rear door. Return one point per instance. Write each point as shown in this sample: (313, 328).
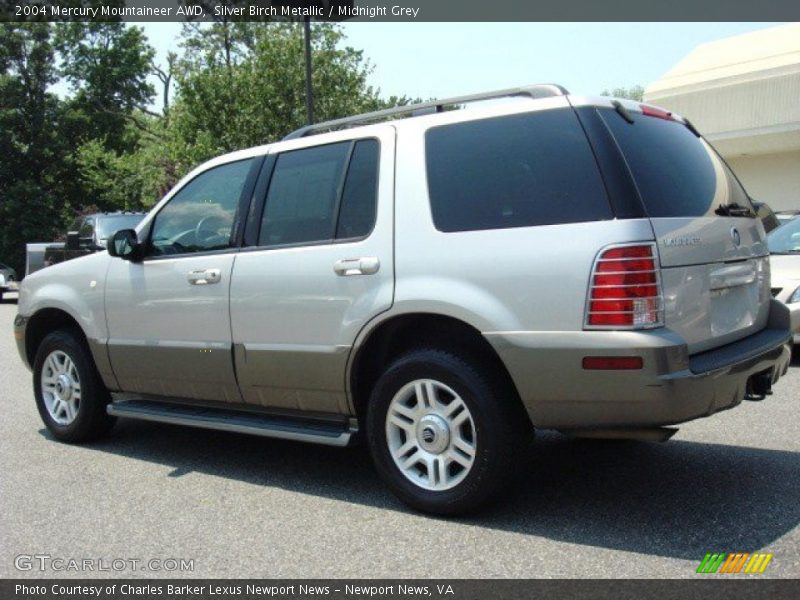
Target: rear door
(319, 266)
(712, 247)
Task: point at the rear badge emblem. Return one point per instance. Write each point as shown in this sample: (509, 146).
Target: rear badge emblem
(681, 241)
(737, 239)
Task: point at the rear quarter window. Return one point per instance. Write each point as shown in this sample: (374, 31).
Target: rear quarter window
(513, 171)
(677, 173)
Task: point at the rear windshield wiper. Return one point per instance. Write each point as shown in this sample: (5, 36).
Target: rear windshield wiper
(734, 210)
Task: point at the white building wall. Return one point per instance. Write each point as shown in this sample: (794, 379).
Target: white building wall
(771, 178)
(741, 107)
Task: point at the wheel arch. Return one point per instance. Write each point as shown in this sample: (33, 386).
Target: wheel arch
(394, 335)
(43, 322)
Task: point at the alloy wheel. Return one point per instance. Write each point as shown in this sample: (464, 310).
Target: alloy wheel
(431, 434)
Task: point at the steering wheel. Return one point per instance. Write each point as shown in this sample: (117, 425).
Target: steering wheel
(205, 230)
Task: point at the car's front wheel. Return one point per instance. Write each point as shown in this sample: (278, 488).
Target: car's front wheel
(70, 395)
(444, 431)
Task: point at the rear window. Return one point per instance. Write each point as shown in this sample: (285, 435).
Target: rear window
(513, 171)
(677, 173)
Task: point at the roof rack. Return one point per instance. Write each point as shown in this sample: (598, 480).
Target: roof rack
(544, 90)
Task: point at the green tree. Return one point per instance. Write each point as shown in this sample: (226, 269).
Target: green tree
(108, 119)
(31, 169)
(223, 43)
(107, 66)
(133, 180)
(237, 85)
(633, 93)
(231, 99)
(260, 97)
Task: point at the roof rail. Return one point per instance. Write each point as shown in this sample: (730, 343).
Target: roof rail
(545, 90)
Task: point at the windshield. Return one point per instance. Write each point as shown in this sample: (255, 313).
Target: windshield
(785, 239)
(108, 226)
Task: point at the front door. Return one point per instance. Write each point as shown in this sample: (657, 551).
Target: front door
(168, 315)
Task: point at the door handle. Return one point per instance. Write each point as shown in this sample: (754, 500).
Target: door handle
(366, 265)
(204, 276)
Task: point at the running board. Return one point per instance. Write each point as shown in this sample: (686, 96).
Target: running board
(319, 432)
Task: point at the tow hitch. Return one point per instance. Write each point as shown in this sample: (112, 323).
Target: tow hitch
(759, 386)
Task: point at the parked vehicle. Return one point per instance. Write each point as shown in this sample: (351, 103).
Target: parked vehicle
(34, 255)
(89, 234)
(768, 218)
(784, 247)
(438, 285)
(8, 280)
(784, 216)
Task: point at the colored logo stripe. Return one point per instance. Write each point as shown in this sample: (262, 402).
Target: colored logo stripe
(734, 562)
(758, 563)
(710, 563)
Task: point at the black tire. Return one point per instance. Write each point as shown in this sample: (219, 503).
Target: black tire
(502, 429)
(91, 420)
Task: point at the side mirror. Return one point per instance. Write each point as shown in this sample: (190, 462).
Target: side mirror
(125, 245)
(73, 241)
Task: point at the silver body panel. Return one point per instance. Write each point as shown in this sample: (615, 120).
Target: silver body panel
(168, 336)
(718, 303)
(76, 288)
(715, 291)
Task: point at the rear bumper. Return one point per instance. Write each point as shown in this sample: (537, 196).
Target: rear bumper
(671, 387)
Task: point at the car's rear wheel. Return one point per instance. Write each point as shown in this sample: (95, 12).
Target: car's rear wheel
(70, 395)
(444, 431)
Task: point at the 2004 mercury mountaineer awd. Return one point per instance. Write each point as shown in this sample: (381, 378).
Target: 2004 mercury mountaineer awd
(440, 278)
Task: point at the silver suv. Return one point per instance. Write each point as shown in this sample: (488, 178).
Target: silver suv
(440, 283)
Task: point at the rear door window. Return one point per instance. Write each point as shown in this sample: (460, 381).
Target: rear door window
(677, 173)
(513, 171)
(302, 195)
(322, 193)
(360, 194)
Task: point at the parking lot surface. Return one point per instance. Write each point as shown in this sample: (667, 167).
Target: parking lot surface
(241, 506)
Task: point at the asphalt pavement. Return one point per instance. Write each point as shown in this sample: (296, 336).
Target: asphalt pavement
(239, 506)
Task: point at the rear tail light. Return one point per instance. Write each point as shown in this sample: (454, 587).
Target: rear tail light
(625, 289)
